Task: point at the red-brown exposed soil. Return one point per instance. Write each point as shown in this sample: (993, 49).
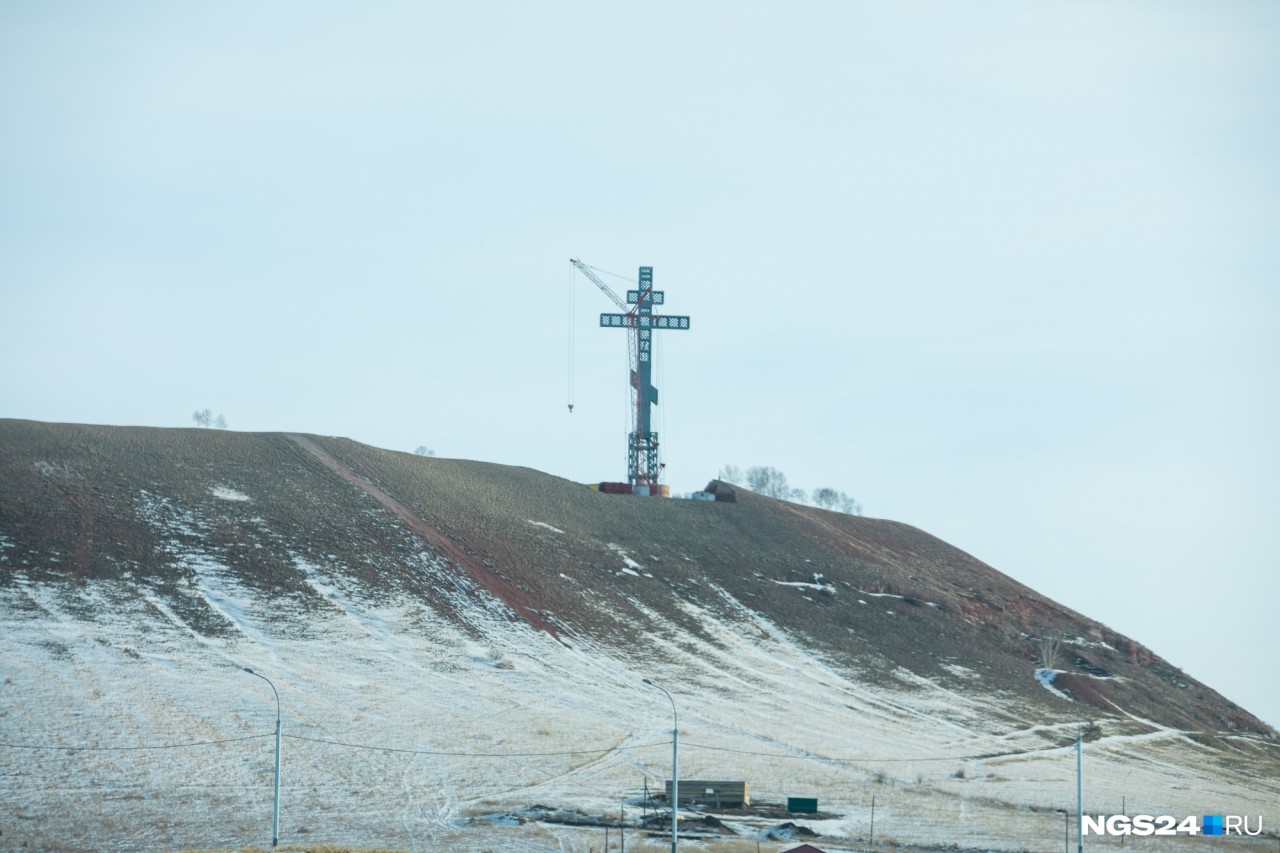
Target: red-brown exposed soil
(519, 600)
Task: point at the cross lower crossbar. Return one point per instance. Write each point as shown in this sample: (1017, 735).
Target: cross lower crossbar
(644, 321)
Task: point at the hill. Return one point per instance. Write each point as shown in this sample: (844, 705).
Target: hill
(494, 623)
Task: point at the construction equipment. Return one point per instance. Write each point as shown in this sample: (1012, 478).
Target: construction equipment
(644, 469)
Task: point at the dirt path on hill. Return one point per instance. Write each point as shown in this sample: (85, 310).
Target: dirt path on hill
(518, 600)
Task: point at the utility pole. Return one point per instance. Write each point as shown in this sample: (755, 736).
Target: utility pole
(873, 820)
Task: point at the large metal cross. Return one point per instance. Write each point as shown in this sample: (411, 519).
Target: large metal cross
(643, 468)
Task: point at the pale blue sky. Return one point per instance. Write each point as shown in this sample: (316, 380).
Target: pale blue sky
(1004, 271)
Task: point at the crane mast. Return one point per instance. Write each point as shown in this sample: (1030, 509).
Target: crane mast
(643, 465)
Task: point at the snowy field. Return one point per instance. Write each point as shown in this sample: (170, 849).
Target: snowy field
(406, 729)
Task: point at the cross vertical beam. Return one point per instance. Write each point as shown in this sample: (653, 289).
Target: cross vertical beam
(643, 467)
(642, 451)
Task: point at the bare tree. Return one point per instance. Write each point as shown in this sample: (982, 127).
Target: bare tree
(771, 482)
(220, 422)
(730, 474)
(423, 450)
(1048, 652)
(849, 506)
(829, 498)
(203, 418)
(826, 497)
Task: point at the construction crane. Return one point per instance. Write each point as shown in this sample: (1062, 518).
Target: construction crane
(643, 466)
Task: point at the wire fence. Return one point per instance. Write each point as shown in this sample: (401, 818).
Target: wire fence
(881, 812)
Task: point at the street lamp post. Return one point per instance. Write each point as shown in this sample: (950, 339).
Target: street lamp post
(1079, 796)
(275, 803)
(1079, 782)
(675, 765)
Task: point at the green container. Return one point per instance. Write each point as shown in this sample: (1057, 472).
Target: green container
(802, 805)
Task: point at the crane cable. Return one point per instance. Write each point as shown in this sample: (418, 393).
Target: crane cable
(616, 275)
(573, 276)
(662, 410)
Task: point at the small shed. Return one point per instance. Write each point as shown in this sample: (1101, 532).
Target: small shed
(802, 805)
(804, 848)
(726, 795)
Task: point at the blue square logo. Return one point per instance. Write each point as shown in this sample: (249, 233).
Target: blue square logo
(1212, 824)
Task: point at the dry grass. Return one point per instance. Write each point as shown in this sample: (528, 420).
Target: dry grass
(653, 845)
(75, 498)
(303, 848)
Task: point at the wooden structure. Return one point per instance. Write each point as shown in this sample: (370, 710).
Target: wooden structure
(723, 491)
(728, 795)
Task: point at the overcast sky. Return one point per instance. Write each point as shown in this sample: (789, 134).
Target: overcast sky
(1008, 272)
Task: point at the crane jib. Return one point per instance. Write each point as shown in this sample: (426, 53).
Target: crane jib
(656, 297)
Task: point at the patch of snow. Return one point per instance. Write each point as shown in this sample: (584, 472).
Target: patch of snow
(802, 585)
(1046, 677)
(228, 494)
(1088, 644)
(881, 594)
(630, 563)
(544, 524)
(171, 522)
(960, 671)
(56, 470)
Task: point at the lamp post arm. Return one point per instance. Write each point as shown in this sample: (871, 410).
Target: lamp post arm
(274, 692)
(675, 719)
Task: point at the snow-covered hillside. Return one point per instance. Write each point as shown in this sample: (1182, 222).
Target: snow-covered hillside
(422, 709)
